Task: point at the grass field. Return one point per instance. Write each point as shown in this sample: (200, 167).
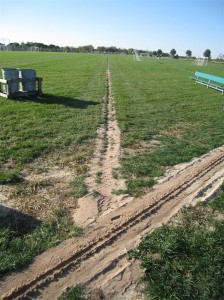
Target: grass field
(66, 116)
(37, 134)
(184, 259)
(163, 116)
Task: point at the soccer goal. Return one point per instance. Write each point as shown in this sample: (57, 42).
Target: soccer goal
(136, 56)
(4, 44)
(34, 49)
(201, 61)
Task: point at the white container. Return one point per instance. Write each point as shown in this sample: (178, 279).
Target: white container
(11, 74)
(29, 80)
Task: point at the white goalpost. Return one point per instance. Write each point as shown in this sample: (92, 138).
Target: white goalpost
(34, 49)
(4, 44)
(136, 56)
(201, 61)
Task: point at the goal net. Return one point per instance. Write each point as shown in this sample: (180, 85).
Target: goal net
(4, 44)
(136, 56)
(34, 49)
(201, 61)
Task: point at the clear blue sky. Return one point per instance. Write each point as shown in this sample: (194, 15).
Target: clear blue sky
(193, 25)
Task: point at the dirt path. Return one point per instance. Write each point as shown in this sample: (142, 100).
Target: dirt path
(103, 180)
(98, 258)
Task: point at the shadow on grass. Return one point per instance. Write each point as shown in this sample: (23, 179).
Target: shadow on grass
(17, 221)
(60, 100)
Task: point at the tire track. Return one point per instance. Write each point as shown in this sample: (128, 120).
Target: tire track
(103, 180)
(126, 224)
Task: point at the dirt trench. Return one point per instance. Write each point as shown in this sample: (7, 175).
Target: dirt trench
(115, 224)
(104, 179)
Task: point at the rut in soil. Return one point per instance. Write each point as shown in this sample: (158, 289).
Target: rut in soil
(103, 179)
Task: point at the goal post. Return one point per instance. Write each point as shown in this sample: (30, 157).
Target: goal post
(4, 44)
(136, 56)
(201, 61)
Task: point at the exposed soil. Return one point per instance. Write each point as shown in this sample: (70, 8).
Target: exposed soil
(46, 183)
(104, 179)
(41, 191)
(115, 224)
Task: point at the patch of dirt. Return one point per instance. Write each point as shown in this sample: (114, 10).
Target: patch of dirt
(98, 259)
(39, 194)
(41, 191)
(46, 181)
(104, 178)
(141, 146)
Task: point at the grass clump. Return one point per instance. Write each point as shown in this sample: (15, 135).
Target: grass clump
(74, 293)
(79, 292)
(22, 238)
(10, 176)
(79, 187)
(184, 259)
(134, 186)
(217, 203)
(98, 179)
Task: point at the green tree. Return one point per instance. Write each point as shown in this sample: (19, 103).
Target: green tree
(101, 49)
(15, 46)
(221, 56)
(154, 53)
(111, 49)
(66, 49)
(207, 53)
(130, 51)
(159, 52)
(173, 52)
(188, 53)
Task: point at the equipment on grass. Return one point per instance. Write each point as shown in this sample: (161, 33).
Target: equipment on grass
(201, 61)
(4, 44)
(136, 56)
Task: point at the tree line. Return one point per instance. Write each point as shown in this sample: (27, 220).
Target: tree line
(34, 46)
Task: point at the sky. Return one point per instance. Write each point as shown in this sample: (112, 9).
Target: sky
(194, 25)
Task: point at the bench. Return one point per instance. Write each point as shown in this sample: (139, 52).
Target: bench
(208, 80)
(6, 90)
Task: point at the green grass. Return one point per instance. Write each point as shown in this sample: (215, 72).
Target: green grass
(164, 117)
(217, 203)
(75, 293)
(66, 116)
(184, 259)
(57, 128)
(22, 237)
(78, 187)
(8, 176)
